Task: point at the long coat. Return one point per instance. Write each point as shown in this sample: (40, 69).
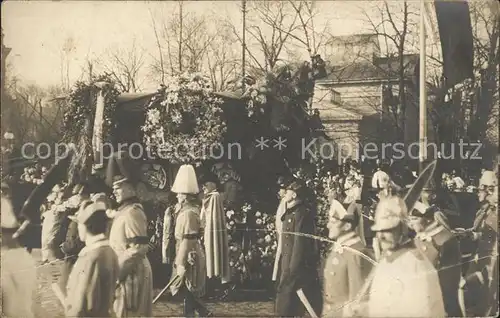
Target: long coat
(215, 237)
(487, 242)
(403, 284)
(92, 282)
(344, 273)
(299, 263)
(128, 238)
(481, 298)
(189, 252)
(442, 249)
(364, 228)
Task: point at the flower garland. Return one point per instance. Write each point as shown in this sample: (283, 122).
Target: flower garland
(237, 259)
(81, 107)
(263, 251)
(257, 100)
(184, 120)
(257, 263)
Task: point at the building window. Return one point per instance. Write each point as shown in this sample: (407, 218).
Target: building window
(335, 97)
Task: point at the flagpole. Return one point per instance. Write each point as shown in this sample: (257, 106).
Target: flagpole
(422, 91)
(243, 44)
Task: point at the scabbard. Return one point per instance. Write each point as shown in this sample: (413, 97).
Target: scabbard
(277, 260)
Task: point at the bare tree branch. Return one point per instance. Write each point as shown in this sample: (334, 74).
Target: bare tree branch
(126, 66)
(158, 44)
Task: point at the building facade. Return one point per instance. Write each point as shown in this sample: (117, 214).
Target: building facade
(359, 101)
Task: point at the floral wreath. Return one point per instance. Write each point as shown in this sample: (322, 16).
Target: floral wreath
(81, 106)
(184, 120)
(284, 84)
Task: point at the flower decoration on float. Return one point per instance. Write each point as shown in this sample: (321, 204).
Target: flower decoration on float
(183, 120)
(236, 257)
(34, 174)
(81, 107)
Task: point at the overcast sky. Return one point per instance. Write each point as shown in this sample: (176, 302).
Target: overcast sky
(36, 30)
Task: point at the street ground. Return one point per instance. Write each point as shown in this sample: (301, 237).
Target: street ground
(47, 304)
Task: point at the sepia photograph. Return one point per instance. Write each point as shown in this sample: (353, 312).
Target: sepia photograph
(246, 158)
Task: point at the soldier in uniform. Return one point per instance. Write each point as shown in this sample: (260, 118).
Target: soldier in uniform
(441, 247)
(18, 271)
(299, 256)
(381, 179)
(190, 264)
(282, 183)
(479, 289)
(403, 283)
(345, 269)
(128, 238)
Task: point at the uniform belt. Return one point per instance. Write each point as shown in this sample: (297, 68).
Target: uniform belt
(194, 236)
(138, 240)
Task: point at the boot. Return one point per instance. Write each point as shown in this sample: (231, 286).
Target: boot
(199, 306)
(189, 305)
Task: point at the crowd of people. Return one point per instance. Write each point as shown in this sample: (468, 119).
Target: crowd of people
(400, 259)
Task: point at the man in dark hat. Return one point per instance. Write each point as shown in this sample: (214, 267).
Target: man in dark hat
(128, 237)
(299, 286)
(437, 242)
(283, 183)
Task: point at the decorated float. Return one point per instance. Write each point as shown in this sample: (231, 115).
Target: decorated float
(235, 135)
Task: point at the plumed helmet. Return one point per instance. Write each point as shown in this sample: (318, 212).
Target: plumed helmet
(488, 179)
(185, 181)
(390, 212)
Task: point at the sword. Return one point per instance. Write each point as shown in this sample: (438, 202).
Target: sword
(175, 279)
(376, 248)
(306, 303)
(60, 295)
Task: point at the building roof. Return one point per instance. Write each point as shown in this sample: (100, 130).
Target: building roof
(378, 69)
(360, 39)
